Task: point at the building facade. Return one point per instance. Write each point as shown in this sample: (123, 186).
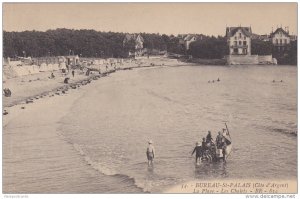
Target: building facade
(239, 40)
(280, 39)
(139, 43)
(188, 40)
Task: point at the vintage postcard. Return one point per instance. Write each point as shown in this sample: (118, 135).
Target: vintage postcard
(103, 98)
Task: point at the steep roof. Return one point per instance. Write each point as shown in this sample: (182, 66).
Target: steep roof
(279, 30)
(189, 37)
(129, 37)
(141, 38)
(230, 31)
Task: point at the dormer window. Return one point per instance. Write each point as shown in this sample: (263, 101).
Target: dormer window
(240, 34)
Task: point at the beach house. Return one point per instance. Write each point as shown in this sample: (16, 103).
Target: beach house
(139, 43)
(185, 40)
(239, 40)
(239, 44)
(72, 60)
(280, 39)
(188, 40)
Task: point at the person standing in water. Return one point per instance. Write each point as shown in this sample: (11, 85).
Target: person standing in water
(219, 140)
(199, 152)
(209, 137)
(150, 153)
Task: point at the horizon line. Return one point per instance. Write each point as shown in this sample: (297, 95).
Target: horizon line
(168, 34)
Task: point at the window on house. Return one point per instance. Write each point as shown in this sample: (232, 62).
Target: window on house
(285, 41)
(240, 42)
(235, 38)
(235, 43)
(235, 50)
(240, 34)
(244, 43)
(244, 37)
(280, 41)
(276, 41)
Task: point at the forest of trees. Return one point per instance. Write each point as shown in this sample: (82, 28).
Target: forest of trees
(259, 47)
(87, 43)
(91, 43)
(209, 48)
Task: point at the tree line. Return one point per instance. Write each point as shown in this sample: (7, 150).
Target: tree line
(91, 43)
(86, 43)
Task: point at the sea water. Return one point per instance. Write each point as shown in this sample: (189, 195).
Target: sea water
(110, 125)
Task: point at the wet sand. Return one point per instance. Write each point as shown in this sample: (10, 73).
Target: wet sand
(36, 158)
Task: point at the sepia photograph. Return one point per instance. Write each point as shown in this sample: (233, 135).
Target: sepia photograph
(150, 98)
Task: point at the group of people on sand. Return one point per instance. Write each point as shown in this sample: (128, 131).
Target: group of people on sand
(213, 81)
(207, 149)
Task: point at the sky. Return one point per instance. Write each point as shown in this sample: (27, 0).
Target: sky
(163, 18)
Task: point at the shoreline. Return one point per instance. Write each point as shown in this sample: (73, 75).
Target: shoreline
(57, 87)
(34, 148)
(32, 137)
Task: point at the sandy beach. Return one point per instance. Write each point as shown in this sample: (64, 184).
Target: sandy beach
(36, 86)
(36, 158)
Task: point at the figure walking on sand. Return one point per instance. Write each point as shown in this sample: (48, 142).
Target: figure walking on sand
(150, 153)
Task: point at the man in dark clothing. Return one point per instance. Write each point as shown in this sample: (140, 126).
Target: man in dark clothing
(219, 140)
(208, 137)
(204, 146)
(199, 152)
(224, 145)
(66, 81)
